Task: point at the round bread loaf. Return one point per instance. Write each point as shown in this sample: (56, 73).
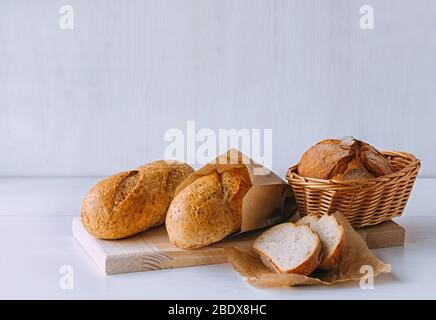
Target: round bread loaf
(130, 202)
(348, 159)
(208, 209)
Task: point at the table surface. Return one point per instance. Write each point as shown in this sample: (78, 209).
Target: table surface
(36, 241)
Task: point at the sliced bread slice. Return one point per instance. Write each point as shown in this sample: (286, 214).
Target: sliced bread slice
(331, 234)
(288, 248)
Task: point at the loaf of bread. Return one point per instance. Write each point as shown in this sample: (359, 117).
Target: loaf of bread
(332, 237)
(208, 209)
(289, 248)
(348, 159)
(132, 201)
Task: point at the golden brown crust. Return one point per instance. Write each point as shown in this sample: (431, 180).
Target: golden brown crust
(322, 159)
(374, 161)
(349, 159)
(208, 209)
(132, 201)
(353, 170)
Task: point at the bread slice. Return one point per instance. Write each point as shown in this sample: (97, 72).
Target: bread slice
(288, 248)
(331, 234)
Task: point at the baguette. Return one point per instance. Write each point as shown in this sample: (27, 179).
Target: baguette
(130, 202)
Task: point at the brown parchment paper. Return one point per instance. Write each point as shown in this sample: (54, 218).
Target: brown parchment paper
(356, 255)
(269, 200)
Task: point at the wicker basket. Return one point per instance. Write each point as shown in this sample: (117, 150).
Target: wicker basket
(363, 202)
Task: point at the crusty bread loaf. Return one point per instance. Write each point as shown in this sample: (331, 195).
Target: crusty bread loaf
(348, 159)
(332, 237)
(132, 201)
(289, 248)
(208, 209)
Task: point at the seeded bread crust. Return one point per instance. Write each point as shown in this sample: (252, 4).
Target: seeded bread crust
(130, 202)
(208, 209)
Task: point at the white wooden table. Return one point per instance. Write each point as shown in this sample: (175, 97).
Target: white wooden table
(36, 240)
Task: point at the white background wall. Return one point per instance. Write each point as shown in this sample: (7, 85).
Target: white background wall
(99, 99)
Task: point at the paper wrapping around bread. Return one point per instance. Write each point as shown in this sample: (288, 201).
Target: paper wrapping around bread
(356, 256)
(269, 199)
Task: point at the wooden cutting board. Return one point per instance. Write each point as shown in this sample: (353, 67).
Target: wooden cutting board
(151, 250)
